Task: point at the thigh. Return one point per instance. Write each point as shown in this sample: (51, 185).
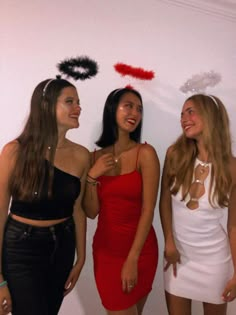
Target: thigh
(129, 311)
(28, 299)
(24, 267)
(61, 265)
(141, 304)
(178, 305)
(214, 309)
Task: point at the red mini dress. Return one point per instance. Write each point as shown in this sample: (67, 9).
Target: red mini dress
(120, 209)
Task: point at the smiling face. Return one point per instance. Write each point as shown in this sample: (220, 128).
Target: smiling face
(68, 109)
(191, 121)
(129, 112)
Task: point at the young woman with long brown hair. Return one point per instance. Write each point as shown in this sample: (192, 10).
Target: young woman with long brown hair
(44, 174)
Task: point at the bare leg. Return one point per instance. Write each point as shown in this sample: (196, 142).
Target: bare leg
(214, 309)
(129, 311)
(140, 305)
(177, 305)
(134, 310)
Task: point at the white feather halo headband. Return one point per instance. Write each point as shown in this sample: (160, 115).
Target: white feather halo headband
(199, 82)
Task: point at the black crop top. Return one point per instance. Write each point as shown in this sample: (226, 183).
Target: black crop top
(65, 190)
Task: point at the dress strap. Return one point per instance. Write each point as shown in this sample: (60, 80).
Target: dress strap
(138, 153)
(94, 156)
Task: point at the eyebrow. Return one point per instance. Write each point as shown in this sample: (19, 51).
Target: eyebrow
(133, 103)
(186, 110)
(70, 98)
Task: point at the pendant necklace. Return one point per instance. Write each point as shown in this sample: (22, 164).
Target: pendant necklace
(204, 164)
(116, 158)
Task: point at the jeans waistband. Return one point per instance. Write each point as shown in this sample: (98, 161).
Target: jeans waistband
(41, 229)
(22, 233)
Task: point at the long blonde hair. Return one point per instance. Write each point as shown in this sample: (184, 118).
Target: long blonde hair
(217, 142)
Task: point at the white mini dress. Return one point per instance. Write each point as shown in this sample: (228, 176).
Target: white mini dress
(206, 263)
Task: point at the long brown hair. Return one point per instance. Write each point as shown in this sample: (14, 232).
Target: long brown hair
(217, 142)
(39, 134)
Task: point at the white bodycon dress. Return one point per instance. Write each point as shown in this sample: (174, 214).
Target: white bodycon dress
(206, 263)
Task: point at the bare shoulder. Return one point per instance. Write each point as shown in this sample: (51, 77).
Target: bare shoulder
(148, 153)
(147, 149)
(8, 156)
(79, 152)
(98, 153)
(10, 149)
(233, 169)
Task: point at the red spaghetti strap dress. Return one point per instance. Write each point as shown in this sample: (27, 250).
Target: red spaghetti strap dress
(120, 209)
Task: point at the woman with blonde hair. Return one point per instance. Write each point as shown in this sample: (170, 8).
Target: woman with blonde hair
(198, 187)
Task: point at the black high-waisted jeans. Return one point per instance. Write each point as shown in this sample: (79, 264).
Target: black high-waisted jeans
(36, 264)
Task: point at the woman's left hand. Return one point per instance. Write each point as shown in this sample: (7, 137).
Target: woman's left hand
(72, 278)
(129, 275)
(229, 293)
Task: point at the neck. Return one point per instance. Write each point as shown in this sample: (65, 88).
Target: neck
(61, 140)
(121, 146)
(203, 155)
(61, 143)
(123, 143)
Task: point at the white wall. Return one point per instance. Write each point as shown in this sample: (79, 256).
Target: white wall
(175, 42)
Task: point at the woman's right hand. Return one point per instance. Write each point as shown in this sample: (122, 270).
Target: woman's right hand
(103, 164)
(172, 257)
(5, 301)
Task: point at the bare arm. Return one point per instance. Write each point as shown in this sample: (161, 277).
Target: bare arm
(171, 254)
(229, 293)
(90, 200)
(104, 163)
(7, 162)
(80, 230)
(150, 170)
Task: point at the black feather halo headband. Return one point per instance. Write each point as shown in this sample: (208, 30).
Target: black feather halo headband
(80, 68)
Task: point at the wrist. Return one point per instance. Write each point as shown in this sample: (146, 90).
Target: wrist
(92, 180)
(3, 284)
(169, 239)
(79, 263)
(91, 176)
(133, 258)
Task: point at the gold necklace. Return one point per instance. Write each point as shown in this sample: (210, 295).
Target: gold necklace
(58, 148)
(64, 145)
(204, 164)
(117, 158)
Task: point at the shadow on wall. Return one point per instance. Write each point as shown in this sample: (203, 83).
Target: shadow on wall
(86, 290)
(161, 124)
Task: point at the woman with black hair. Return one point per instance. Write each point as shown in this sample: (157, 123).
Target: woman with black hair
(44, 174)
(121, 189)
